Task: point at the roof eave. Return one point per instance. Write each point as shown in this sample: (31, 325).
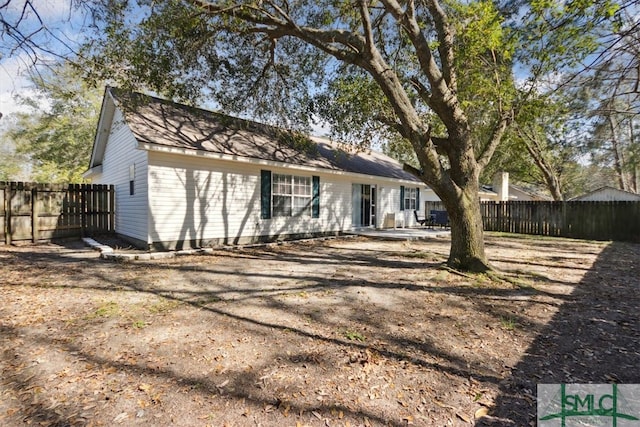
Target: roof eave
(251, 160)
(96, 170)
(107, 111)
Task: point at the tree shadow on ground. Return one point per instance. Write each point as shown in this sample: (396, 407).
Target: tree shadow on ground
(242, 387)
(593, 338)
(218, 294)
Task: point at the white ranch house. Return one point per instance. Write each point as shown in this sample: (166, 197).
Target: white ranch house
(187, 177)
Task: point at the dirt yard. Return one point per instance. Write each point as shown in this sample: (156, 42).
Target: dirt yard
(344, 332)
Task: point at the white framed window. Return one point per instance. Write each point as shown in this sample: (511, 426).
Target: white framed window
(410, 198)
(291, 195)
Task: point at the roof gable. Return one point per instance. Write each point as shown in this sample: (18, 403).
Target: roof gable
(608, 193)
(164, 123)
(105, 120)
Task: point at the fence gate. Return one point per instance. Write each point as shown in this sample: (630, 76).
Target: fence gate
(31, 211)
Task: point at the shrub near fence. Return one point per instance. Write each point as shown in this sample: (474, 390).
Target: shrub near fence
(30, 211)
(580, 220)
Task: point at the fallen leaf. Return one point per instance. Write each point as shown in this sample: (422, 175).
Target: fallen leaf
(120, 418)
(463, 417)
(481, 412)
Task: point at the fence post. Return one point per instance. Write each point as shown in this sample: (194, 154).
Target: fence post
(82, 190)
(7, 214)
(34, 214)
(8, 193)
(112, 209)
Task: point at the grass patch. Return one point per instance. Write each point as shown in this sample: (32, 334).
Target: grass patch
(139, 324)
(515, 281)
(354, 336)
(106, 309)
(163, 306)
(301, 294)
(508, 323)
(482, 281)
(441, 276)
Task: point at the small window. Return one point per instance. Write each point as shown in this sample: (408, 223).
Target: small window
(291, 194)
(132, 178)
(410, 198)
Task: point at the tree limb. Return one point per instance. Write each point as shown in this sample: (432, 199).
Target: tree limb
(506, 118)
(535, 150)
(445, 47)
(443, 99)
(366, 25)
(329, 41)
(422, 90)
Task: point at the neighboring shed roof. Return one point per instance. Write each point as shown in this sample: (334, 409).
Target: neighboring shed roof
(514, 190)
(607, 193)
(527, 193)
(165, 123)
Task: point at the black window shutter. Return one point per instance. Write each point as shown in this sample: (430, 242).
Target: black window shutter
(402, 197)
(315, 203)
(265, 194)
(417, 199)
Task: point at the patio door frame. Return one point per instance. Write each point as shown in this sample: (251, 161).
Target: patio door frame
(364, 205)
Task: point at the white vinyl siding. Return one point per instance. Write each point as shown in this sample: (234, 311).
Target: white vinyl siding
(199, 199)
(193, 198)
(389, 203)
(120, 156)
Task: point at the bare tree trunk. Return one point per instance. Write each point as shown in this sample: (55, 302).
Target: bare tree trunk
(633, 181)
(536, 152)
(459, 192)
(618, 159)
(548, 173)
(467, 231)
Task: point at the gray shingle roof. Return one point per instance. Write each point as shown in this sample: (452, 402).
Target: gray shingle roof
(157, 121)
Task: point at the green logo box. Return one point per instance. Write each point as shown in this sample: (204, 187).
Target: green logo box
(567, 405)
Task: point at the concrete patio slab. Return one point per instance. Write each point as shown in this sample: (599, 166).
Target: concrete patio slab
(402, 233)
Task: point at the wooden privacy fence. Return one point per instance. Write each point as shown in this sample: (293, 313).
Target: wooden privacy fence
(581, 220)
(30, 211)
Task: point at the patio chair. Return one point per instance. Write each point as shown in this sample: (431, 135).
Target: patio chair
(421, 221)
(440, 218)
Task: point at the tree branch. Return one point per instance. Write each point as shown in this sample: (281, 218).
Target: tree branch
(366, 25)
(445, 47)
(413, 171)
(358, 50)
(422, 90)
(443, 99)
(408, 21)
(506, 118)
(534, 148)
(341, 44)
